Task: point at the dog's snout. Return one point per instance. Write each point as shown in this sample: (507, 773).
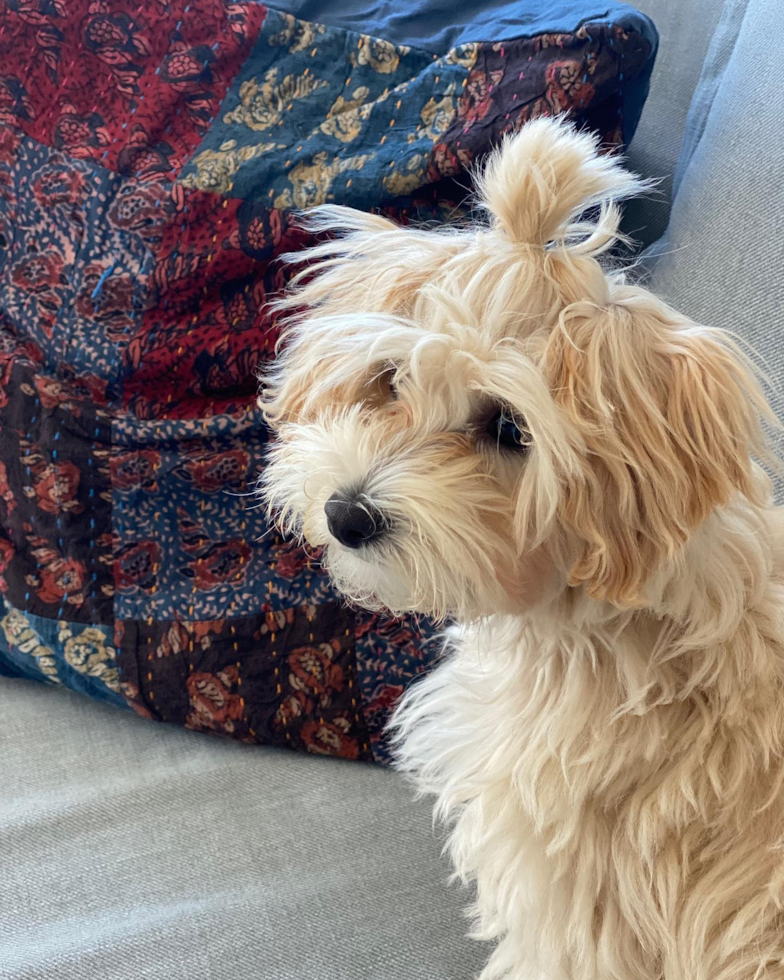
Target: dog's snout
(353, 520)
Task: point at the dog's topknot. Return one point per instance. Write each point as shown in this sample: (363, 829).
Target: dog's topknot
(541, 179)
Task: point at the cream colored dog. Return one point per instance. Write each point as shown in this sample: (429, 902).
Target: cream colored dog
(486, 425)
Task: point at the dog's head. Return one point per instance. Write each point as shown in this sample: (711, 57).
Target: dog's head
(469, 420)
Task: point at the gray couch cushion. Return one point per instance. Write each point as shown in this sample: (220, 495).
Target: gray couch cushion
(139, 852)
(723, 256)
(685, 30)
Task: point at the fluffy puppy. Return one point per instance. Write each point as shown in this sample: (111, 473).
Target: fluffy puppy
(486, 425)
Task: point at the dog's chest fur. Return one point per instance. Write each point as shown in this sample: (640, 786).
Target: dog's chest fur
(594, 777)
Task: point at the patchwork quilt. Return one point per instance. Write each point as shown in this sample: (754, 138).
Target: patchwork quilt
(151, 157)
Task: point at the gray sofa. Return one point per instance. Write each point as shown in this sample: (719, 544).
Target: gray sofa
(130, 851)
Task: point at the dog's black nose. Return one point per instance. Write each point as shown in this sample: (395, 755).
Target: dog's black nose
(354, 521)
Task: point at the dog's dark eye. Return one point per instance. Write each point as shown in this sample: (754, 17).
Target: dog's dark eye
(380, 389)
(388, 384)
(508, 432)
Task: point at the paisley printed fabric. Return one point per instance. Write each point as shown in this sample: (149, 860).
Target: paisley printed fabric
(151, 156)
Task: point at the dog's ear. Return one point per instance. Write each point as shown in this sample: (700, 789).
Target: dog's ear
(330, 361)
(538, 182)
(342, 307)
(668, 416)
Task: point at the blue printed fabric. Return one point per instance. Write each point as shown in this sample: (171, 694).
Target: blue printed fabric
(151, 157)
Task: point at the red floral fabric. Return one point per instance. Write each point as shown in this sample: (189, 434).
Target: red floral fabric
(151, 157)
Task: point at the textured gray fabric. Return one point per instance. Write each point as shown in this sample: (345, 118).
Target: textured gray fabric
(685, 28)
(130, 851)
(723, 256)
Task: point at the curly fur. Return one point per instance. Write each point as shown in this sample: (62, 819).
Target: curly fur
(605, 731)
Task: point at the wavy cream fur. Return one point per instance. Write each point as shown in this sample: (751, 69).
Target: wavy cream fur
(605, 732)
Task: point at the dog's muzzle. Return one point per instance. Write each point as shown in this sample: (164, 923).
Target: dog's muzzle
(353, 520)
